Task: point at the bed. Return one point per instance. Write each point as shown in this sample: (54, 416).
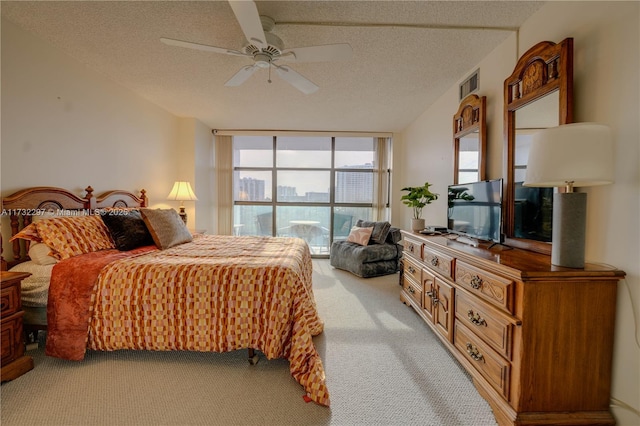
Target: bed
(168, 291)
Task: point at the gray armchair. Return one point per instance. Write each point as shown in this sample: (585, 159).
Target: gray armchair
(380, 257)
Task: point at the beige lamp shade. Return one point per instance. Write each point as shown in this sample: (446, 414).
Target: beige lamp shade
(182, 191)
(578, 153)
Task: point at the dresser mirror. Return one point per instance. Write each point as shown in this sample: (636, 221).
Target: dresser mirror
(470, 140)
(538, 95)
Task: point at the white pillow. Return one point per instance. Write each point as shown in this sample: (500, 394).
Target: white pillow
(360, 235)
(35, 288)
(39, 254)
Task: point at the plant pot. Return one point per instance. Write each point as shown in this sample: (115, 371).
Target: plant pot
(417, 225)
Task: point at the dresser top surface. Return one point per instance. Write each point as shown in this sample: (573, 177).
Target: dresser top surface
(523, 263)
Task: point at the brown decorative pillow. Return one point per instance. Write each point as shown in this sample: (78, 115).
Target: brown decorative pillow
(166, 227)
(380, 230)
(127, 228)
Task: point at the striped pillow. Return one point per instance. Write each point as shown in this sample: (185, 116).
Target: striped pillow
(29, 232)
(71, 236)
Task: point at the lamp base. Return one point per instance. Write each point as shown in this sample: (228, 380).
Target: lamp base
(183, 215)
(569, 226)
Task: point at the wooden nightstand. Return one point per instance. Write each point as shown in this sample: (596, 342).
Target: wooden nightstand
(14, 362)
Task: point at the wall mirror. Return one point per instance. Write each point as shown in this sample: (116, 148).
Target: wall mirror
(470, 140)
(538, 94)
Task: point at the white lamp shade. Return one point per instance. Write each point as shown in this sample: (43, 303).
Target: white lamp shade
(581, 153)
(182, 191)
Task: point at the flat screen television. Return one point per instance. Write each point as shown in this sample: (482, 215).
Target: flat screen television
(475, 210)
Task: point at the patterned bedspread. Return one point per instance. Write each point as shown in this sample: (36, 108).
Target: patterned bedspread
(216, 293)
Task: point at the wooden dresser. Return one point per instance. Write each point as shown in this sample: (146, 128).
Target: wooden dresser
(537, 339)
(14, 362)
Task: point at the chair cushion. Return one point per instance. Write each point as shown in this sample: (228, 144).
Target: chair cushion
(355, 253)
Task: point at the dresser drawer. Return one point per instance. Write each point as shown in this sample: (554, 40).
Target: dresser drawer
(495, 369)
(413, 289)
(10, 300)
(412, 269)
(496, 290)
(412, 247)
(438, 262)
(486, 322)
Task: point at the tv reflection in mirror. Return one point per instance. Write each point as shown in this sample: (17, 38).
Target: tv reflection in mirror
(475, 210)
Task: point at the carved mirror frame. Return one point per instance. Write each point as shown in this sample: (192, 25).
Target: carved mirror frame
(545, 68)
(469, 119)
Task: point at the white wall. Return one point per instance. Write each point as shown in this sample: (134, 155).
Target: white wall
(606, 89)
(66, 125)
(195, 165)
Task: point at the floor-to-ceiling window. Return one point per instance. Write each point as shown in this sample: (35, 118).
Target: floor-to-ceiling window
(312, 187)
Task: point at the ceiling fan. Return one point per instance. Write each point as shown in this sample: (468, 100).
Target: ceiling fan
(266, 49)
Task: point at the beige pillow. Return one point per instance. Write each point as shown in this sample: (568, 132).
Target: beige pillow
(40, 254)
(166, 227)
(360, 235)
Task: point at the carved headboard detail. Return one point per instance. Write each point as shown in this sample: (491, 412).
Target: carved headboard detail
(21, 206)
(119, 198)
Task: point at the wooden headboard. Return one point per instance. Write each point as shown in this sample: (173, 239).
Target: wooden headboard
(23, 205)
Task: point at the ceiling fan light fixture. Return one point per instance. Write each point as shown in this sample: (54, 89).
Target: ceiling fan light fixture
(262, 60)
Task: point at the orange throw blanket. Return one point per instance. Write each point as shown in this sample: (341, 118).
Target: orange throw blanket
(69, 307)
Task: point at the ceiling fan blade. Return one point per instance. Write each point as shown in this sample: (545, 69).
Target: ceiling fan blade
(327, 52)
(247, 15)
(296, 80)
(204, 47)
(241, 76)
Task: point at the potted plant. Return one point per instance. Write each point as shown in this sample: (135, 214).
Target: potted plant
(416, 198)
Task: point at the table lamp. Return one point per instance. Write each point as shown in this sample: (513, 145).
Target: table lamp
(571, 155)
(182, 192)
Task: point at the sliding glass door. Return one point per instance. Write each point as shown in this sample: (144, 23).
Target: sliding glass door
(311, 187)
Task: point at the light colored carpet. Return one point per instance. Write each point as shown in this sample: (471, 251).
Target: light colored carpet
(383, 364)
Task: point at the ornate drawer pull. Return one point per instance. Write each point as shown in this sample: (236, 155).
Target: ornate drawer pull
(476, 319)
(411, 247)
(411, 290)
(430, 294)
(476, 282)
(411, 270)
(434, 261)
(474, 353)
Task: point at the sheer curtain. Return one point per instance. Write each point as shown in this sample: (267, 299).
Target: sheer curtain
(382, 181)
(224, 177)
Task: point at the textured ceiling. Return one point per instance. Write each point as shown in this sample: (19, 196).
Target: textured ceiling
(396, 71)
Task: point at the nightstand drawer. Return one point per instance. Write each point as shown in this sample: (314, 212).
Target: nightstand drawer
(438, 262)
(494, 289)
(10, 300)
(486, 322)
(12, 345)
(492, 366)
